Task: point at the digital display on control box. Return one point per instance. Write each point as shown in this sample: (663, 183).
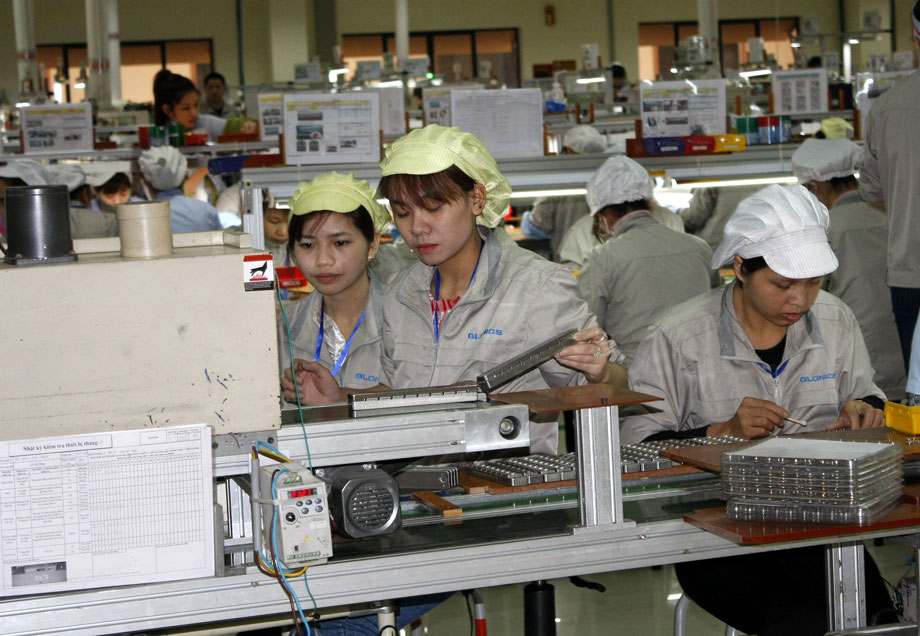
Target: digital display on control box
(303, 492)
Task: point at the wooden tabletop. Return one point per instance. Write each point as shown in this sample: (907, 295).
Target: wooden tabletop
(571, 398)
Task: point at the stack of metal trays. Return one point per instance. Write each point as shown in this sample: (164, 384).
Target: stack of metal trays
(812, 481)
(521, 471)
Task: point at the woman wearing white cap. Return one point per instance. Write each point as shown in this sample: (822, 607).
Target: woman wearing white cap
(743, 360)
(164, 170)
(644, 267)
(858, 235)
(333, 233)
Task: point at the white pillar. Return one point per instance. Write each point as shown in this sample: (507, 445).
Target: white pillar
(402, 34)
(113, 37)
(24, 24)
(707, 15)
(97, 85)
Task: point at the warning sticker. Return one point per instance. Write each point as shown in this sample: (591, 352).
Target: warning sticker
(258, 272)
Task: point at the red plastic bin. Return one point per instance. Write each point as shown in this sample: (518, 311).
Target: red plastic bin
(699, 144)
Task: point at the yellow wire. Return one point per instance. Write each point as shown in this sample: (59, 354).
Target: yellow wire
(288, 575)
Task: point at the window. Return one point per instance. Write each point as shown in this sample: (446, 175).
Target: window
(457, 55)
(140, 61)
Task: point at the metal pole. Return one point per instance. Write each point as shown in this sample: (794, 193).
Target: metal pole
(113, 40)
(708, 20)
(26, 64)
(402, 33)
(845, 586)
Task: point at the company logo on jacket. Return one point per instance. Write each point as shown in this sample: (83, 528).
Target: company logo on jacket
(367, 377)
(485, 332)
(817, 378)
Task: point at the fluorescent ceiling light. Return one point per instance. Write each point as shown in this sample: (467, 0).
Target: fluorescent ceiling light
(730, 183)
(21, 104)
(589, 80)
(79, 84)
(390, 83)
(674, 597)
(853, 41)
(760, 71)
(333, 73)
(796, 45)
(565, 192)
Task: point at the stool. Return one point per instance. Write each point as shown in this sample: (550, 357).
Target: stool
(680, 618)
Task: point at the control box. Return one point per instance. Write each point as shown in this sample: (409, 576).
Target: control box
(302, 530)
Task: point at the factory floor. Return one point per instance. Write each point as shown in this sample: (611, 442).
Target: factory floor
(637, 602)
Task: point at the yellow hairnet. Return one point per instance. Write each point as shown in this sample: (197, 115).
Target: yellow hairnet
(835, 128)
(338, 193)
(435, 148)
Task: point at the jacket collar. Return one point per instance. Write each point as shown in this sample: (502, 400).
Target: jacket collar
(734, 343)
(637, 218)
(847, 198)
(372, 320)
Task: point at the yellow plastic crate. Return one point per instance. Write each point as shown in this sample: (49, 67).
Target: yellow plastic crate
(903, 418)
(730, 143)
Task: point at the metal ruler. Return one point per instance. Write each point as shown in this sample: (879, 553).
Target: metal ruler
(519, 365)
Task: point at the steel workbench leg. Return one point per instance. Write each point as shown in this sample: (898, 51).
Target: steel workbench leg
(600, 499)
(846, 590)
(386, 621)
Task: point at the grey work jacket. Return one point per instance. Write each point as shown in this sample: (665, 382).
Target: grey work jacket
(858, 235)
(579, 241)
(891, 174)
(698, 358)
(555, 215)
(361, 369)
(643, 269)
(516, 301)
(710, 209)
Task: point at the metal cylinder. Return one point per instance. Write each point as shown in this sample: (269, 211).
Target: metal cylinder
(144, 229)
(539, 609)
(38, 225)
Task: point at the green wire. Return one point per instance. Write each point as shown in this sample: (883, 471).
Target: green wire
(307, 585)
(303, 425)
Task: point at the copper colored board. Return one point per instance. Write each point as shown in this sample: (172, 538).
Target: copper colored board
(710, 457)
(474, 484)
(572, 398)
(752, 533)
(436, 503)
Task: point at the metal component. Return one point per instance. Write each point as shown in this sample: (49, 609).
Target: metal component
(845, 585)
(38, 224)
(413, 398)
(519, 365)
(364, 502)
(429, 478)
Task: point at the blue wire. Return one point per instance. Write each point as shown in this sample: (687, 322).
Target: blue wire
(287, 326)
(261, 444)
(278, 558)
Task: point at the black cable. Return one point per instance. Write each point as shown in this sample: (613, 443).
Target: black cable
(469, 610)
(276, 561)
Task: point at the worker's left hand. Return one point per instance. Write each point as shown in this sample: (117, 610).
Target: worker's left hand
(858, 414)
(249, 126)
(589, 355)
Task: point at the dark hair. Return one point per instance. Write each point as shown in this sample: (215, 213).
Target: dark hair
(116, 183)
(618, 71)
(751, 265)
(418, 189)
(214, 75)
(814, 62)
(13, 182)
(619, 210)
(360, 217)
(916, 11)
(848, 182)
(168, 90)
(79, 192)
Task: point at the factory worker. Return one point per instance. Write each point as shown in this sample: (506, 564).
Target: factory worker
(551, 217)
(584, 236)
(644, 267)
(472, 303)
(164, 170)
(334, 232)
(176, 100)
(740, 360)
(859, 237)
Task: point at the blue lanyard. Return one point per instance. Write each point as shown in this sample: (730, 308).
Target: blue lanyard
(437, 290)
(319, 339)
(287, 263)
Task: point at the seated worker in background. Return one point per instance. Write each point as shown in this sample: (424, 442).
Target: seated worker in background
(164, 169)
(472, 302)
(334, 232)
(84, 221)
(275, 226)
(215, 88)
(859, 237)
(644, 267)
(710, 209)
(584, 236)
(622, 90)
(551, 217)
(176, 100)
(740, 360)
(111, 189)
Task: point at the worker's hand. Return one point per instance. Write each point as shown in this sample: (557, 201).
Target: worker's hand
(589, 355)
(250, 126)
(315, 384)
(858, 414)
(754, 418)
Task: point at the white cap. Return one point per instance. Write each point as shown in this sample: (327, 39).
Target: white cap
(787, 226)
(66, 174)
(618, 180)
(29, 170)
(164, 167)
(825, 159)
(583, 139)
(99, 173)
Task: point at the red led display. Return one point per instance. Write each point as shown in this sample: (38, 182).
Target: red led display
(303, 492)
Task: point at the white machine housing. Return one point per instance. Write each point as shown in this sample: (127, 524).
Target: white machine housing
(302, 529)
(106, 343)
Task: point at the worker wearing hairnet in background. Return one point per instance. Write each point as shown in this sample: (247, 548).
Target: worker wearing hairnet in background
(859, 237)
(890, 176)
(742, 360)
(165, 169)
(552, 216)
(644, 267)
